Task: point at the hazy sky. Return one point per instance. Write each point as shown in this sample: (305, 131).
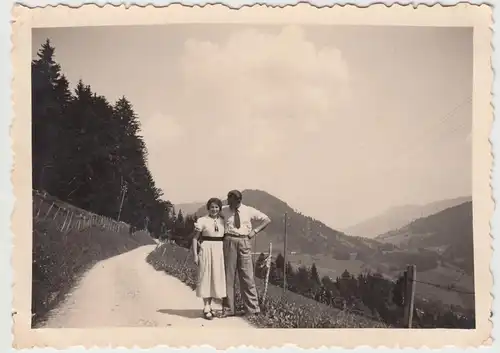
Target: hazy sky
(339, 122)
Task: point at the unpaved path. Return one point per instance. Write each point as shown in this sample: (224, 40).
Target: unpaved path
(127, 291)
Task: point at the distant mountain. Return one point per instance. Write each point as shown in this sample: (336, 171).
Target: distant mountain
(448, 234)
(305, 234)
(189, 208)
(400, 216)
(442, 248)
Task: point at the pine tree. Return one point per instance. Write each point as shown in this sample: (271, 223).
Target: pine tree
(346, 274)
(303, 280)
(179, 225)
(315, 275)
(280, 263)
(85, 150)
(180, 218)
(290, 276)
(50, 98)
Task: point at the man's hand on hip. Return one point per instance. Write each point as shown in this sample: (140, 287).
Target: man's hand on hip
(252, 234)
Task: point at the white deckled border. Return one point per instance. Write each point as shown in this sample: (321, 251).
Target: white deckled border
(25, 19)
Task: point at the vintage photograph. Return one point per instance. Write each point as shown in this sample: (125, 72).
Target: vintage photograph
(351, 165)
(253, 175)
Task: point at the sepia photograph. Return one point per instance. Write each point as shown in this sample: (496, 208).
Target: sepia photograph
(253, 176)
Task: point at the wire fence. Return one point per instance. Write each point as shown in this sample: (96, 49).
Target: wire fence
(68, 218)
(450, 287)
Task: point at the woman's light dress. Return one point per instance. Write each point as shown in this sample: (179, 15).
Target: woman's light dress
(211, 272)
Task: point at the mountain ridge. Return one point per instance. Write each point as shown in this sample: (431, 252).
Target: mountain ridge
(311, 241)
(309, 235)
(188, 207)
(400, 216)
(448, 233)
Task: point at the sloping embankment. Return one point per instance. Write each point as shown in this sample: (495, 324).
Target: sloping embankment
(63, 249)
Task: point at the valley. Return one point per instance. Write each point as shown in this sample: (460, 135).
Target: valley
(440, 245)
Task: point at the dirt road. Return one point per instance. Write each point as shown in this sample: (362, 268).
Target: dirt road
(125, 291)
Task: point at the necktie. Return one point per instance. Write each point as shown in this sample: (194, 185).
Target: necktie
(237, 222)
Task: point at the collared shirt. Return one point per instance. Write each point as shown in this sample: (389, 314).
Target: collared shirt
(247, 215)
(210, 227)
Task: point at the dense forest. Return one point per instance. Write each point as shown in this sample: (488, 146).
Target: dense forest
(88, 151)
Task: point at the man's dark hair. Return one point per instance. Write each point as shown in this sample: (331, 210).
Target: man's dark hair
(236, 194)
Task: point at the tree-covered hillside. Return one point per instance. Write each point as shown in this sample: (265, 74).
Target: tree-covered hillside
(88, 151)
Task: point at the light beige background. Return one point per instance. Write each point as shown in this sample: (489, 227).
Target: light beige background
(464, 15)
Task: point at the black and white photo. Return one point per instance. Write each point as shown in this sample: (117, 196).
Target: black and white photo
(258, 175)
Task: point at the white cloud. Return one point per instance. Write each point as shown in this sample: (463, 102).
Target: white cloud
(267, 89)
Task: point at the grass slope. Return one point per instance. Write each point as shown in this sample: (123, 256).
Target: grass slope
(60, 258)
(279, 311)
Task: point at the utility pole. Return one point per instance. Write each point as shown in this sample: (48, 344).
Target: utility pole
(284, 253)
(124, 191)
(409, 295)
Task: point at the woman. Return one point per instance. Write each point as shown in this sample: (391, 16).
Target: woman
(209, 233)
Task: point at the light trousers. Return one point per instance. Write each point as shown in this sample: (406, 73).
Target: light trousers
(238, 262)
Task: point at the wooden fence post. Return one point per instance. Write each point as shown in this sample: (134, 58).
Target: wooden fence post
(285, 253)
(70, 220)
(65, 219)
(57, 212)
(48, 212)
(409, 294)
(39, 209)
(268, 264)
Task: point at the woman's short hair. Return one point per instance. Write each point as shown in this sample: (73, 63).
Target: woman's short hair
(215, 200)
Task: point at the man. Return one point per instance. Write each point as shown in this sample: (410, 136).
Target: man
(238, 251)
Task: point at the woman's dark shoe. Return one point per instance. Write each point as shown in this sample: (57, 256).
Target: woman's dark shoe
(208, 315)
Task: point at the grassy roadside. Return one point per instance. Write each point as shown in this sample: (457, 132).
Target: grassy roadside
(279, 311)
(60, 258)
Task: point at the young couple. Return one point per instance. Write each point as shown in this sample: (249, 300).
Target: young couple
(222, 251)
